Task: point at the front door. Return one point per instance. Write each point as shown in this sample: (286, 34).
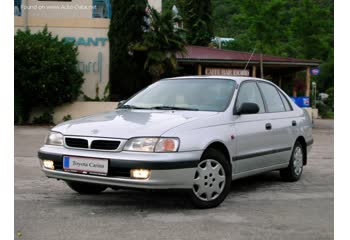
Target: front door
(253, 136)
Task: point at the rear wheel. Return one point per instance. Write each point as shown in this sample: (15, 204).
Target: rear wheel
(295, 168)
(86, 188)
(212, 180)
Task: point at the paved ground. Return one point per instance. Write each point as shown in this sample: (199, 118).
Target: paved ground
(261, 207)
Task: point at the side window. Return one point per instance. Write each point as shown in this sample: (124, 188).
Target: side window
(249, 92)
(286, 103)
(18, 11)
(102, 9)
(272, 97)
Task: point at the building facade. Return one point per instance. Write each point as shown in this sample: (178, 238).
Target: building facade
(84, 21)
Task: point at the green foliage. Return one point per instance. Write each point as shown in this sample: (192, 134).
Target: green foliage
(323, 109)
(126, 70)
(160, 44)
(330, 99)
(326, 78)
(67, 118)
(197, 20)
(105, 97)
(291, 28)
(312, 28)
(45, 118)
(46, 73)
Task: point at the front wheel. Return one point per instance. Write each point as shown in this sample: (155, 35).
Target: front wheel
(212, 180)
(86, 188)
(295, 168)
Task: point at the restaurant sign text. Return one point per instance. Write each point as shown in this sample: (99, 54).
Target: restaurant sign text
(227, 72)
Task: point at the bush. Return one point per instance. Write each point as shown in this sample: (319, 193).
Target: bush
(67, 118)
(46, 117)
(323, 109)
(46, 73)
(330, 99)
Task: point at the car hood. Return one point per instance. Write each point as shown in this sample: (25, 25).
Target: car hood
(126, 123)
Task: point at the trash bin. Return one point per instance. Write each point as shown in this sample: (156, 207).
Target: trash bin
(302, 102)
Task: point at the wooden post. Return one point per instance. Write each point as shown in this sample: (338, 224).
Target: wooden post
(254, 71)
(261, 66)
(280, 81)
(199, 69)
(294, 76)
(308, 81)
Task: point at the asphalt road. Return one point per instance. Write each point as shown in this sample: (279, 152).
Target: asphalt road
(260, 207)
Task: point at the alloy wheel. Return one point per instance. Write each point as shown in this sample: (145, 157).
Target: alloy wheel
(298, 160)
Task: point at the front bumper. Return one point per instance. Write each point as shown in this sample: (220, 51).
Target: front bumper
(168, 170)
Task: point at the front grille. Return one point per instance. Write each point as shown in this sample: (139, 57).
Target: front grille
(104, 145)
(77, 143)
(118, 172)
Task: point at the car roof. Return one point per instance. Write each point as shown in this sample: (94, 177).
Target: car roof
(237, 79)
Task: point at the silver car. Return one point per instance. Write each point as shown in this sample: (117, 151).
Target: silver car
(194, 133)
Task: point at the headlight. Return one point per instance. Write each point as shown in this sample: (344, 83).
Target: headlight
(54, 138)
(152, 145)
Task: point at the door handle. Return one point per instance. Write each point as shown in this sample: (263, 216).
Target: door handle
(294, 123)
(268, 126)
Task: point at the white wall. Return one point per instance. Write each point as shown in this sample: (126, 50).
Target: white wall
(74, 19)
(76, 110)
(59, 9)
(157, 4)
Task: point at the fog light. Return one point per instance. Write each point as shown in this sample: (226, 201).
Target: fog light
(140, 173)
(49, 164)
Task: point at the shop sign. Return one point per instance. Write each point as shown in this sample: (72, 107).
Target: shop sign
(227, 72)
(88, 41)
(315, 71)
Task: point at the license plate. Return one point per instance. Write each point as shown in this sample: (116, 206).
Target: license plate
(85, 165)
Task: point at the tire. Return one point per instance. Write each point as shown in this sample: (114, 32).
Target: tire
(295, 168)
(86, 188)
(212, 180)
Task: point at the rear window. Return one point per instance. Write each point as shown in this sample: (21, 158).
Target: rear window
(272, 97)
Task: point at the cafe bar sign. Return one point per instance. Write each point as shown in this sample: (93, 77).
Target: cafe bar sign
(227, 72)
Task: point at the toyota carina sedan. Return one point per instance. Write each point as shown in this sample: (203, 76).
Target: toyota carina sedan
(193, 133)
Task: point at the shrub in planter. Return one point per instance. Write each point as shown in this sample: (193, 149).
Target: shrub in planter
(46, 73)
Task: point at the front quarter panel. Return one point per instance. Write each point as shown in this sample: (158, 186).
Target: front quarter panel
(200, 134)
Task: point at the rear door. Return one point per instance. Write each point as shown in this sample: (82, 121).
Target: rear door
(282, 125)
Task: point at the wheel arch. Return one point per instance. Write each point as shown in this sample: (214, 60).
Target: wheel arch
(221, 147)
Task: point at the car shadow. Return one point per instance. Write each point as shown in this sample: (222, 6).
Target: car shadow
(160, 200)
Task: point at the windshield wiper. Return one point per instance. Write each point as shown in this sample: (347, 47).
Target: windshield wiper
(174, 108)
(131, 107)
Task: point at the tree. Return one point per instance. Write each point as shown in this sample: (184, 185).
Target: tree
(160, 44)
(126, 70)
(46, 73)
(197, 18)
(312, 30)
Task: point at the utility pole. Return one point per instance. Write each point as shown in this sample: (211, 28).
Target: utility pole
(261, 66)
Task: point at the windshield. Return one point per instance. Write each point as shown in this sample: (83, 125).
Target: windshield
(185, 94)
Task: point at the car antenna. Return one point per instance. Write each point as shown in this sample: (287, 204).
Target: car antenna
(249, 58)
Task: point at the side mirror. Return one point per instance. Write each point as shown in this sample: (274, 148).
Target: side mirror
(248, 108)
(120, 103)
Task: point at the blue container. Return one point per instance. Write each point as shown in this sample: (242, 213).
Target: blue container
(301, 101)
